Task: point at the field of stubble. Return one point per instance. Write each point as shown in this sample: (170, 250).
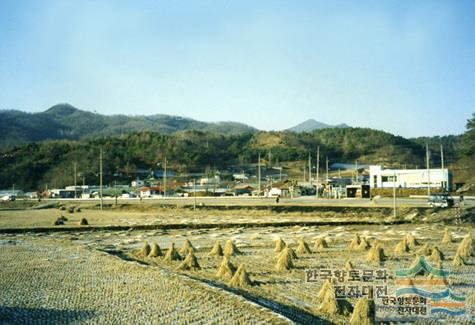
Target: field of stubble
(100, 276)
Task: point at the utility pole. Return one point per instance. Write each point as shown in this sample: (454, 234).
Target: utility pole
(304, 171)
(165, 179)
(75, 179)
(100, 178)
(356, 171)
(259, 174)
(309, 169)
(318, 169)
(394, 196)
(428, 171)
(445, 181)
(442, 156)
(327, 169)
(327, 185)
(194, 192)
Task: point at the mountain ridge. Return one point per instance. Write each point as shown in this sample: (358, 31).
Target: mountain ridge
(66, 122)
(312, 125)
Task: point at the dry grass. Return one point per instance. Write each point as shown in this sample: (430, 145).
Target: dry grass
(465, 248)
(230, 248)
(349, 265)
(226, 269)
(241, 278)
(172, 254)
(217, 250)
(327, 300)
(364, 245)
(279, 245)
(186, 247)
(303, 247)
(96, 288)
(285, 260)
(412, 242)
(320, 244)
(145, 250)
(355, 242)
(425, 250)
(436, 255)
(155, 251)
(189, 263)
(458, 261)
(363, 313)
(288, 287)
(447, 239)
(402, 247)
(376, 254)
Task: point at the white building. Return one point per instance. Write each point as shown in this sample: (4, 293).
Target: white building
(409, 178)
(210, 180)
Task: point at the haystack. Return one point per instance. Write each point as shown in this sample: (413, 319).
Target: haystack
(436, 255)
(415, 262)
(172, 254)
(83, 222)
(303, 247)
(285, 261)
(349, 265)
(226, 269)
(363, 313)
(355, 242)
(289, 251)
(145, 250)
(465, 247)
(241, 278)
(411, 240)
(326, 286)
(401, 247)
(230, 249)
(189, 263)
(376, 254)
(364, 245)
(320, 244)
(437, 265)
(186, 247)
(458, 260)
(447, 239)
(217, 250)
(155, 251)
(425, 250)
(328, 303)
(279, 245)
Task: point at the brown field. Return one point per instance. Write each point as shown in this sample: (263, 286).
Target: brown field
(87, 276)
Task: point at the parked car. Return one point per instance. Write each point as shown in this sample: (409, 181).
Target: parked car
(8, 198)
(440, 200)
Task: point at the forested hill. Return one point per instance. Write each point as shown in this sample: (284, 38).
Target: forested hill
(33, 165)
(65, 122)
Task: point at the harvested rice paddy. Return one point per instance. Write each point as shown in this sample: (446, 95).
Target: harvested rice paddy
(107, 276)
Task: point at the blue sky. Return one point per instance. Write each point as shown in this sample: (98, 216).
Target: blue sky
(406, 67)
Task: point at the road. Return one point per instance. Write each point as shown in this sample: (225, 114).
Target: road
(304, 200)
